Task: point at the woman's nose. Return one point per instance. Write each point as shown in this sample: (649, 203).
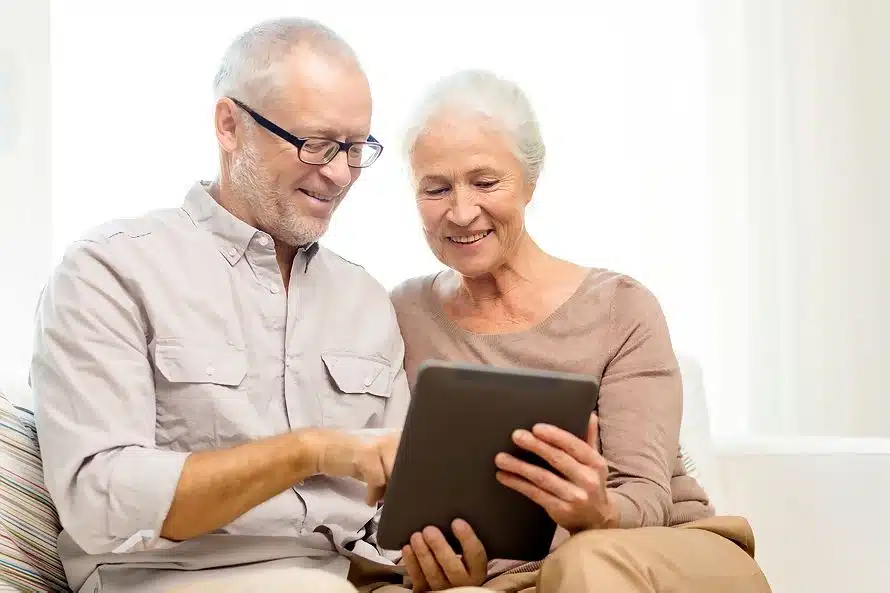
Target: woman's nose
(464, 209)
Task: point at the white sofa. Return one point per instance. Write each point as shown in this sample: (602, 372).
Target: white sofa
(818, 506)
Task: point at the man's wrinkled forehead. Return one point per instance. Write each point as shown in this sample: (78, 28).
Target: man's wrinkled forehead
(326, 96)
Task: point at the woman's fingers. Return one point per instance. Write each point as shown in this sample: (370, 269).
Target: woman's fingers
(415, 572)
(573, 488)
(432, 563)
(543, 478)
(432, 572)
(593, 432)
(449, 562)
(475, 557)
(563, 461)
(550, 503)
(564, 441)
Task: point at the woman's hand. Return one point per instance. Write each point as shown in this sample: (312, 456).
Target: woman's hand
(433, 565)
(577, 499)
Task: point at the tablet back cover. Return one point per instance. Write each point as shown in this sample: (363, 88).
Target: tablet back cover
(460, 417)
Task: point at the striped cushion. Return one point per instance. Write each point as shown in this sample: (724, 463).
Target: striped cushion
(689, 463)
(29, 524)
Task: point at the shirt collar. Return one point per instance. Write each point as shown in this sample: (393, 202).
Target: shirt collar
(233, 236)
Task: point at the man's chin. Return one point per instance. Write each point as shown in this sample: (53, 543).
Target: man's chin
(307, 231)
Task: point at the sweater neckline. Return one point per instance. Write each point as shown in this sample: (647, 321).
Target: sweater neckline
(453, 328)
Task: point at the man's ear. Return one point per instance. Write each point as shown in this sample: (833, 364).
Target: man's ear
(226, 124)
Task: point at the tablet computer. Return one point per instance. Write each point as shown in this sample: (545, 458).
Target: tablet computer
(461, 415)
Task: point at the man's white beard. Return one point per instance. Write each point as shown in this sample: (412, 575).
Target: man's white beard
(251, 184)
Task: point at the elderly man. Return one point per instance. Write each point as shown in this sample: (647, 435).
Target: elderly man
(214, 389)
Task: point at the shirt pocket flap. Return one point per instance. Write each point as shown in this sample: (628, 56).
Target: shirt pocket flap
(180, 362)
(356, 373)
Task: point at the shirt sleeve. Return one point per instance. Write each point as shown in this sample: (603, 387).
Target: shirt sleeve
(95, 407)
(640, 407)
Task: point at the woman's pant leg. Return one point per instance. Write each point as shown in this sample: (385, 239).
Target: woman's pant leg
(705, 556)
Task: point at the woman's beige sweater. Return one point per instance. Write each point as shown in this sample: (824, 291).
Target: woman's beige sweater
(611, 328)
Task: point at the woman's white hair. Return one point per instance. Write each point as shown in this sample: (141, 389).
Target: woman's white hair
(251, 68)
(473, 93)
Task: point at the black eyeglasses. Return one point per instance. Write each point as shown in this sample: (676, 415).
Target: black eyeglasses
(321, 151)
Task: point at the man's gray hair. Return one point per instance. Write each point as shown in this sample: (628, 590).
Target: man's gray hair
(251, 69)
(481, 92)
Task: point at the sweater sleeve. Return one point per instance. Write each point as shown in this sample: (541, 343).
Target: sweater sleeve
(640, 407)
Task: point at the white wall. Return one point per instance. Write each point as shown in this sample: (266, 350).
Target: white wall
(627, 80)
(25, 173)
(803, 137)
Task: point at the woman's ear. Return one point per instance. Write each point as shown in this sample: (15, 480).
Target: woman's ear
(530, 191)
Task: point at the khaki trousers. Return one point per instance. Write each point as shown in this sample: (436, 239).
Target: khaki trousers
(713, 555)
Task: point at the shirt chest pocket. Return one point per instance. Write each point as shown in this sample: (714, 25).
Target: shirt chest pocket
(359, 387)
(199, 391)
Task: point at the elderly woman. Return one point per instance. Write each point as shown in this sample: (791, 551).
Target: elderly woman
(630, 519)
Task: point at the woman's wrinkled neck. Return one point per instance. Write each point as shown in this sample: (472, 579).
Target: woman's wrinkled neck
(521, 269)
(509, 291)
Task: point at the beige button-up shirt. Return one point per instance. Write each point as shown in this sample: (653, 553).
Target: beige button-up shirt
(173, 333)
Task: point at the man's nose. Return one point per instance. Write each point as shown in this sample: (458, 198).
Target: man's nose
(338, 170)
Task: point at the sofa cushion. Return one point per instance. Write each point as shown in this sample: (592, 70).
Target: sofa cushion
(29, 525)
(696, 440)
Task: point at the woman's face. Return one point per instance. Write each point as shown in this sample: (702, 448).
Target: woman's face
(471, 193)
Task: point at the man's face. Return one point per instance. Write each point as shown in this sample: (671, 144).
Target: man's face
(293, 201)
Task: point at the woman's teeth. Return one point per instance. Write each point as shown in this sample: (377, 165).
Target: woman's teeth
(469, 238)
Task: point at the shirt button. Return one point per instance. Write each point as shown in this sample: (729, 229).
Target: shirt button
(368, 380)
(274, 289)
(210, 370)
(233, 252)
(264, 240)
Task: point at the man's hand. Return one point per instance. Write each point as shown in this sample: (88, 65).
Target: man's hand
(433, 565)
(576, 498)
(369, 459)
(216, 487)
